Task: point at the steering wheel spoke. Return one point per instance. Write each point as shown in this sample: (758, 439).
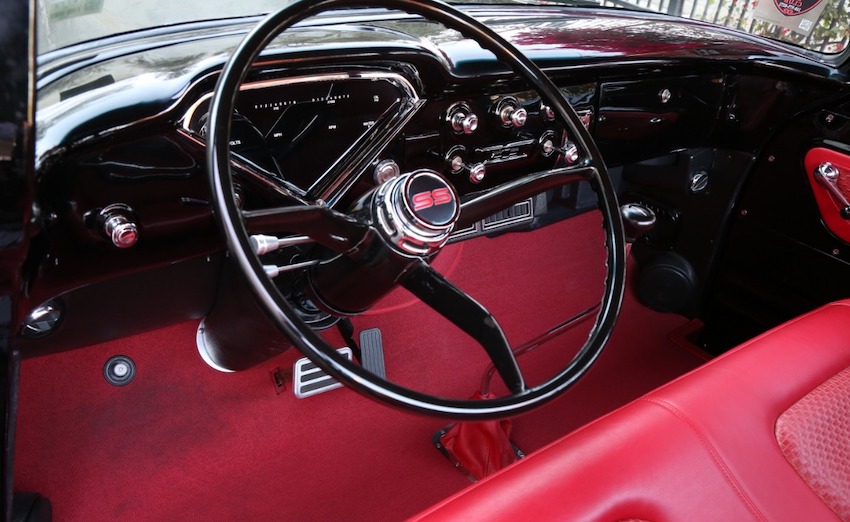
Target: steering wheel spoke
(462, 310)
(334, 230)
(340, 178)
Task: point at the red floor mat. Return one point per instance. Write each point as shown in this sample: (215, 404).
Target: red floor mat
(184, 442)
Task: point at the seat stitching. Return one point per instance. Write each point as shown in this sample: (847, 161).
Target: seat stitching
(712, 450)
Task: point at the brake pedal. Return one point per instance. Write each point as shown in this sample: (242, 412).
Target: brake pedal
(308, 379)
(372, 352)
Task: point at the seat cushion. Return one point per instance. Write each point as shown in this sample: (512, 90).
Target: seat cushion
(703, 447)
(814, 436)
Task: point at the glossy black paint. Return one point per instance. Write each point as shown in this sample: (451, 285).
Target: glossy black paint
(732, 94)
(691, 224)
(780, 260)
(555, 38)
(169, 200)
(237, 333)
(746, 112)
(351, 284)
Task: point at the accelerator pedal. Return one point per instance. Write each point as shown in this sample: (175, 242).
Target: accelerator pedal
(372, 352)
(308, 379)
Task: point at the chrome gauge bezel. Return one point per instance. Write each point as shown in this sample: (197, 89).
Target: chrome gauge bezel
(405, 106)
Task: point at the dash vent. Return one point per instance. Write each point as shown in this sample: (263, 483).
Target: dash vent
(519, 213)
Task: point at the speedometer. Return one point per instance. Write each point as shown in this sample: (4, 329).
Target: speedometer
(298, 127)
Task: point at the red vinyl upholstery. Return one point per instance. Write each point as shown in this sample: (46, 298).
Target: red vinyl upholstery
(703, 447)
(814, 436)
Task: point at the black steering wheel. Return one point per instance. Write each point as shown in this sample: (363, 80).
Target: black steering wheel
(366, 248)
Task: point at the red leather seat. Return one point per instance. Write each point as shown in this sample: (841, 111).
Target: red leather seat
(760, 433)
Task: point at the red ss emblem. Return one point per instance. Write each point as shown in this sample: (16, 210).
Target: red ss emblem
(432, 198)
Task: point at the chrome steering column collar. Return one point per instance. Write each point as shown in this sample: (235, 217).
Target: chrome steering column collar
(415, 212)
(412, 217)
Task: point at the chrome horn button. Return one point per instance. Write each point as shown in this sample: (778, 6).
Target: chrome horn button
(416, 212)
(430, 200)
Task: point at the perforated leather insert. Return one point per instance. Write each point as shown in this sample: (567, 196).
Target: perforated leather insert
(814, 435)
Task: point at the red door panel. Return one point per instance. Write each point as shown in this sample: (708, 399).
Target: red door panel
(830, 206)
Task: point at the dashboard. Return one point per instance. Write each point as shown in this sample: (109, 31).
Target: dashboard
(121, 139)
(307, 130)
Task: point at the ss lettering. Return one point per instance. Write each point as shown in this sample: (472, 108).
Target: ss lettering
(432, 198)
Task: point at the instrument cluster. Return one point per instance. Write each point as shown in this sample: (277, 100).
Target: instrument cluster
(297, 129)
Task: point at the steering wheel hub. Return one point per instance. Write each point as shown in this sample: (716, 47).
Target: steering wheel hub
(416, 212)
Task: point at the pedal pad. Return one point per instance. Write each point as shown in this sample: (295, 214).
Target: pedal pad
(308, 379)
(372, 352)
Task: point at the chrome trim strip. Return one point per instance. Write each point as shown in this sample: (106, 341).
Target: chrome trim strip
(397, 79)
(503, 146)
(527, 215)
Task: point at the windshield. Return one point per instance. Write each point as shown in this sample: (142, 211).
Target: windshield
(818, 25)
(67, 22)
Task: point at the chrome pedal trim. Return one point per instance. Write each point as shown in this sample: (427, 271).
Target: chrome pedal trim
(308, 379)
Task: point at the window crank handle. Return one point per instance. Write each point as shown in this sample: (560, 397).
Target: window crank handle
(827, 175)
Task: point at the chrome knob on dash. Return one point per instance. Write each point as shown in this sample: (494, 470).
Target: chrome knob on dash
(122, 232)
(569, 150)
(477, 172)
(119, 226)
(385, 171)
(827, 175)
(512, 116)
(465, 123)
(510, 113)
(461, 118)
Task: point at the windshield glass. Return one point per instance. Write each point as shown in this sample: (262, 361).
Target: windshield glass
(818, 25)
(67, 22)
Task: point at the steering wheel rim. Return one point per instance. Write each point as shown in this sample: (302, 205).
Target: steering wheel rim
(286, 319)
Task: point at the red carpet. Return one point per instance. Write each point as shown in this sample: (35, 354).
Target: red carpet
(184, 442)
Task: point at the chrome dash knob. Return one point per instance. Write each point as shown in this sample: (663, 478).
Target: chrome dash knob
(118, 225)
(477, 172)
(465, 123)
(462, 119)
(510, 113)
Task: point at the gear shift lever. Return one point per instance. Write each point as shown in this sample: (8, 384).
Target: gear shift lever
(637, 220)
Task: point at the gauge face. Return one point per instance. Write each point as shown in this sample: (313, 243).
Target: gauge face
(298, 128)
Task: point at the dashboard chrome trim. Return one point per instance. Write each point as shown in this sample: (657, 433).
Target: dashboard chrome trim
(397, 79)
